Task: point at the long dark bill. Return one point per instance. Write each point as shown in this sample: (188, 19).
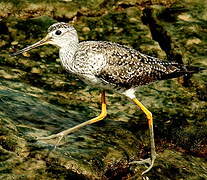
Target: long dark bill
(39, 43)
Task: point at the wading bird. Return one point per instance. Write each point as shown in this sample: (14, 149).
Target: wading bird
(108, 65)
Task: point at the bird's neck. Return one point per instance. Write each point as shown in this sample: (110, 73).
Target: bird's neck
(67, 55)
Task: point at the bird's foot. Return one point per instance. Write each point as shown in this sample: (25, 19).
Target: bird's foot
(58, 136)
(148, 161)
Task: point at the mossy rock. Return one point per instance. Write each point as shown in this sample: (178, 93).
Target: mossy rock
(39, 98)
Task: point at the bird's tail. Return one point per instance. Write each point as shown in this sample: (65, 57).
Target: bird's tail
(181, 70)
(193, 69)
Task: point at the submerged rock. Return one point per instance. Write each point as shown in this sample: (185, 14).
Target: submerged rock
(38, 98)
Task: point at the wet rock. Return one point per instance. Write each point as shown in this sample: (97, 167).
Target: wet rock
(38, 98)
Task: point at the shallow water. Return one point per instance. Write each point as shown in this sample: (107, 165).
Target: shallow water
(38, 97)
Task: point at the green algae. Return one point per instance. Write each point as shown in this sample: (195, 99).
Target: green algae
(38, 98)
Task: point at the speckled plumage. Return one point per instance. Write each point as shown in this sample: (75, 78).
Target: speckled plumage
(113, 66)
(121, 67)
(105, 64)
(108, 65)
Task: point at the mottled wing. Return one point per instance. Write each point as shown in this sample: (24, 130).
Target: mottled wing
(128, 68)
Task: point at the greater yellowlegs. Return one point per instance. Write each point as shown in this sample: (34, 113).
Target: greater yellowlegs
(108, 65)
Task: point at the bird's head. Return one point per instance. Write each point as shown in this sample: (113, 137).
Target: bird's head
(59, 34)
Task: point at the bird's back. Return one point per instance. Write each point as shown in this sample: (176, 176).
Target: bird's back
(119, 66)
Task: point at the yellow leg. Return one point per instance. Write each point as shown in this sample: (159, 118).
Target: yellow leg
(152, 142)
(75, 128)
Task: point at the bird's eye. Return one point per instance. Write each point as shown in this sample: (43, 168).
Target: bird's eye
(58, 32)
